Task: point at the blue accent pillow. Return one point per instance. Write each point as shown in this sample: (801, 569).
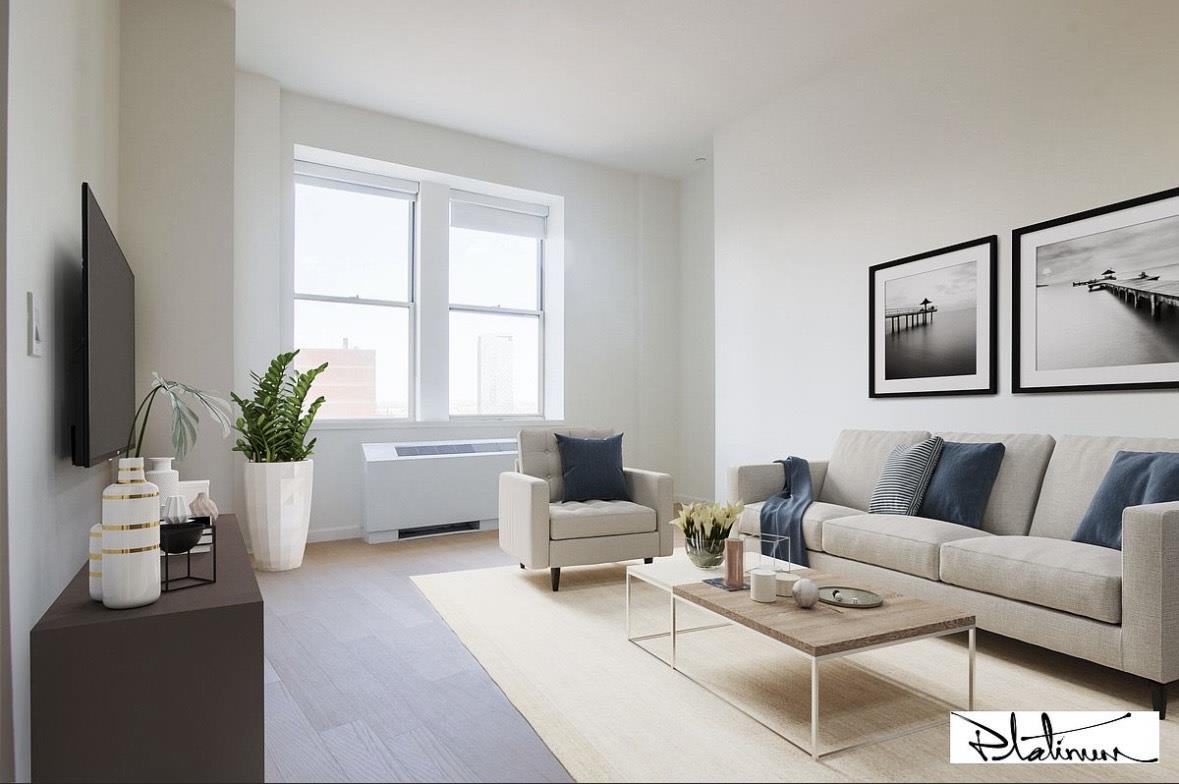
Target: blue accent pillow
(962, 482)
(1133, 479)
(592, 468)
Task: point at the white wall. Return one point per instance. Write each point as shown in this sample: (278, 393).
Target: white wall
(696, 393)
(976, 122)
(63, 128)
(618, 224)
(177, 195)
(257, 301)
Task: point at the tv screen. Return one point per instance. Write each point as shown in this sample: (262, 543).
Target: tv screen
(107, 402)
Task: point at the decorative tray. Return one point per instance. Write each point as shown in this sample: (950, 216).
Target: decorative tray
(844, 596)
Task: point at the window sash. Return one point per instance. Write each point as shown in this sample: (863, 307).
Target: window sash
(539, 316)
(411, 351)
(322, 176)
(522, 311)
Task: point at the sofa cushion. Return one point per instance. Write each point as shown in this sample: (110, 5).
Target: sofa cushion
(1133, 479)
(1013, 498)
(540, 457)
(816, 515)
(856, 462)
(962, 483)
(1078, 465)
(1078, 578)
(905, 478)
(899, 542)
(583, 519)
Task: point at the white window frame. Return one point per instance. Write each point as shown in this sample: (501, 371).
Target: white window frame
(430, 301)
(322, 176)
(540, 345)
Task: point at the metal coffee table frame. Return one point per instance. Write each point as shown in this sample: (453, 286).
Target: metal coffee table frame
(638, 574)
(815, 660)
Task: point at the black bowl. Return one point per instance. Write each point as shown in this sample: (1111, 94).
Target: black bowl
(178, 538)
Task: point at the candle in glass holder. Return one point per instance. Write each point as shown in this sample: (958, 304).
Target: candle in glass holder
(734, 563)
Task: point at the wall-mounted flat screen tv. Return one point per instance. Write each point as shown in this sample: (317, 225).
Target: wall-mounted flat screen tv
(107, 369)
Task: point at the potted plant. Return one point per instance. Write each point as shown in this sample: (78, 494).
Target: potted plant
(706, 527)
(273, 429)
(183, 401)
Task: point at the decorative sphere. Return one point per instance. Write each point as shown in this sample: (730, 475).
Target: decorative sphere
(806, 593)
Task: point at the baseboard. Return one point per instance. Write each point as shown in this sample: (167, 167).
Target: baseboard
(335, 533)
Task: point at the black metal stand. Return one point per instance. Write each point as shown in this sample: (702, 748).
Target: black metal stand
(188, 579)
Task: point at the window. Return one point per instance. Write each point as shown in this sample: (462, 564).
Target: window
(432, 297)
(353, 289)
(496, 309)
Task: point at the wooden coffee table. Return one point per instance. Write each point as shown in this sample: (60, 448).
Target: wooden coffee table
(824, 632)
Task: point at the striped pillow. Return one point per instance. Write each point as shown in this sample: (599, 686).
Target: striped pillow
(907, 471)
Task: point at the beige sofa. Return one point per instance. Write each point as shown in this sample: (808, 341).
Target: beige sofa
(540, 530)
(1021, 575)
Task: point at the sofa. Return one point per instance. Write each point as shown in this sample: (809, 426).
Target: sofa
(539, 529)
(1020, 574)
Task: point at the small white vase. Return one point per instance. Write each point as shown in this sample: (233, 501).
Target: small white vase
(174, 510)
(130, 539)
(203, 506)
(161, 474)
(95, 562)
(278, 512)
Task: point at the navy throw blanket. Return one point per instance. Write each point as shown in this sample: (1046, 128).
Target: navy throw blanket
(781, 514)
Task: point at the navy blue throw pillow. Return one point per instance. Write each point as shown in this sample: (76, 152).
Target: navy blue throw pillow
(962, 482)
(592, 468)
(1133, 479)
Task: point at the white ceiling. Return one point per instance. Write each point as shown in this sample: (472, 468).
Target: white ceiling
(637, 84)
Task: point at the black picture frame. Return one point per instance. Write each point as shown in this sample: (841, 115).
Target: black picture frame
(991, 387)
(1018, 295)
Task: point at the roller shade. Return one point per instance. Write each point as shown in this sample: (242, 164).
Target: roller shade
(329, 176)
(492, 213)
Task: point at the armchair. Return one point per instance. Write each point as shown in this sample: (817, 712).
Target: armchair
(541, 530)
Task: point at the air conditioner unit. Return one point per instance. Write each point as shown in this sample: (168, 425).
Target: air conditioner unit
(423, 488)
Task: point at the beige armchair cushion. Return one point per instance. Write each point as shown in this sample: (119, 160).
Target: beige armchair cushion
(1082, 579)
(584, 519)
(899, 542)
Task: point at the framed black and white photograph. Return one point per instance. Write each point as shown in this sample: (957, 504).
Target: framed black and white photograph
(932, 322)
(1095, 299)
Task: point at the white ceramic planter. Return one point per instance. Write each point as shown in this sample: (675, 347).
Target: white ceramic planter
(278, 511)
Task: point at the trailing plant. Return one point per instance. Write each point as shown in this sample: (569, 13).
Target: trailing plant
(184, 416)
(274, 424)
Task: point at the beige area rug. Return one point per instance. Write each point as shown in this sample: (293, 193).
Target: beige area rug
(612, 712)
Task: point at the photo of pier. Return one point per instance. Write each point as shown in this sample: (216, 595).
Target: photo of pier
(931, 323)
(1109, 299)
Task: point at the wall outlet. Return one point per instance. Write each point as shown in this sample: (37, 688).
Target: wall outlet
(36, 334)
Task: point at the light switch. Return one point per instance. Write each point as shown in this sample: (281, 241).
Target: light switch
(36, 335)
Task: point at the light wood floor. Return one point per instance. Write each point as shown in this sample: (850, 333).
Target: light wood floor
(366, 683)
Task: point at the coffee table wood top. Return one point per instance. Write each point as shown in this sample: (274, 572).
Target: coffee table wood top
(823, 629)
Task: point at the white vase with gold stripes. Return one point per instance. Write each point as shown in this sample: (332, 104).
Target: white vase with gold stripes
(96, 562)
(130, 539)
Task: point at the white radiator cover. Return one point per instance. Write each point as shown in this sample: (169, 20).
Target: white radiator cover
(415, 484)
